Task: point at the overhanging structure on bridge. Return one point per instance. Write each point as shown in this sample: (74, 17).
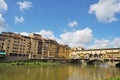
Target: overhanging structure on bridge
(108, 53)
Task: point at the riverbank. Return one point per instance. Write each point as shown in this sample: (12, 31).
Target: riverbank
(28, 63)
(118, 78)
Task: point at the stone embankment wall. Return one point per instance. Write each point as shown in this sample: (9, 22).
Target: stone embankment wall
(14, 58)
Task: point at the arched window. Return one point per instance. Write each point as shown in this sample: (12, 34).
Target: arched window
(96, 55)
(90, 55)
(100, 55)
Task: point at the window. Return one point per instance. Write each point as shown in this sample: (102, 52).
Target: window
(8, 40)
(8, 47)
(7, 50)
(34, 55)
(2, 43)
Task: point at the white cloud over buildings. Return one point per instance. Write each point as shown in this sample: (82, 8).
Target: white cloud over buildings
(77, 38)
(24, 33)
(116, 42)
(46, 34)
(106, 10)
(73, 39)
(103, 43)
(106, 43)
(25, 5)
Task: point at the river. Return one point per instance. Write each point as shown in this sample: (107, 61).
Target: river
(58, 72)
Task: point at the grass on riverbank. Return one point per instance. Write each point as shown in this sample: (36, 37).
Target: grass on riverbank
(27, 63)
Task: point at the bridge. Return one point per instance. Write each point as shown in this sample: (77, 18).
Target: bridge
(95, 56)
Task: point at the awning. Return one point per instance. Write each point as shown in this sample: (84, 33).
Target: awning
(2, 53)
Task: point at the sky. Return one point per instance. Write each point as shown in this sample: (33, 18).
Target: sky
(76, 23)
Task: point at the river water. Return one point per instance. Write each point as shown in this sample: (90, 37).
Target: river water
(58, 72)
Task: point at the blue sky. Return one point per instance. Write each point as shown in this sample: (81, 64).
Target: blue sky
(77, 23)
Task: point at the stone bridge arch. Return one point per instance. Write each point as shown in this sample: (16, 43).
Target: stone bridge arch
(94, 61)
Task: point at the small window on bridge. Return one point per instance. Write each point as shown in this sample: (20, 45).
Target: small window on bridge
(100, 55)
(95, 55)
(91, 55)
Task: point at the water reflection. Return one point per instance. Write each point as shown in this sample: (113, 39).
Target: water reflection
(57, 72)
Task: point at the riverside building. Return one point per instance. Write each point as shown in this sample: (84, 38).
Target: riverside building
(20, 47)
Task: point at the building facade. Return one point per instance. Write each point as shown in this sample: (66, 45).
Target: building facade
(63, 51)
(32, 46)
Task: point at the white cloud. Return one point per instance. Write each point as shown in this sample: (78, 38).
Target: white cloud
(25, 5)
(103, 43)
(116, 42)
(21, 19)
(65, 30)
(73, 24)
(77, 38)
(112, 19)
(46, 34)
(2, 23)
(105, 10)
(25, 33)
(3, 6)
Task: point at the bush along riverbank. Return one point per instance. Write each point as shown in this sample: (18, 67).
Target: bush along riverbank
(118, 78)
(28, 63)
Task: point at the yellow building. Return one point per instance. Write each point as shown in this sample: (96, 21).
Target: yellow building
(46, 47)
(32, 46)
(36, 45)
(63, 51)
